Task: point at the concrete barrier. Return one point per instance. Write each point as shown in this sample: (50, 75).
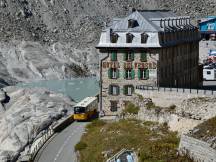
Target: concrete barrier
(63, 124)
(41, 143)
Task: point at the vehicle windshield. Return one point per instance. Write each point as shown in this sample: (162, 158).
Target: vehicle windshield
(78, 110)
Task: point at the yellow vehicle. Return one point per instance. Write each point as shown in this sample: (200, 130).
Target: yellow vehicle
(85, 109)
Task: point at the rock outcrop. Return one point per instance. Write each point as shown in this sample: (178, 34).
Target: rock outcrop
(27, 61)
(26, 114)
(181, 111)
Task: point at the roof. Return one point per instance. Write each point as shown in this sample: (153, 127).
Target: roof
(144, 18)
(148, 14)
(150, 22)
(208, 20)
(85, 102)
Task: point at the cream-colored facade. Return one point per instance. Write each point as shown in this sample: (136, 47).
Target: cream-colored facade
(168, 56)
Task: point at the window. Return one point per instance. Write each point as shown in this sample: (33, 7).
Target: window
(114, 90)
(129, 74)
(208, 72)
(128, 90)
(113, 73)
(114, 37)
(144, 38)
(129, 38)
(211, 26)
(143, 74)
(78, 110)
(113, 56)
(132, 23)
(143, 57)
(113, 106)
(129, 56)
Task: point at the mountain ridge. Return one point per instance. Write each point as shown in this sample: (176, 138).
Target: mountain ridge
(76, 25)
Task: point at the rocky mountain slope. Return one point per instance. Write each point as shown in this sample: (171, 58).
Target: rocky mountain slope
(73, 27)
(26, 113)
(27, 61)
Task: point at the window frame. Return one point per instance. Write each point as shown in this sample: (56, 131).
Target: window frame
(144, 38)
(114, 37)
(208, 72)
(141, 57)
(111, 73)
(126, 90)
(144, 73)
(128, 74)
(111, 90)
(129, 38)
(115, 105)
(131, 53)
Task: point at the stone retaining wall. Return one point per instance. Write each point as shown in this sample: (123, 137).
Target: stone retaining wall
(199, 150)
(167, 96)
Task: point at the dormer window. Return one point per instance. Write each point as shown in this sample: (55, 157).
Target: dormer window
(129, 38)
(132, 23)
(114, 37)
(144, 38)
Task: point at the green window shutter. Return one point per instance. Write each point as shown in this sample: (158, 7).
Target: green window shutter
(125, 90)
(125, 55)
(132, 74)
(118, 90)
(132, 55)
(110, 89)
(143, 57)
(139, 74)
(109, 73)
(132, 89)
(117, 73)
(124, 74)
(147, 73)
(114, 56)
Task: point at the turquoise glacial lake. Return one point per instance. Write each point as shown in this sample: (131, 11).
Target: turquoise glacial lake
(77, 89)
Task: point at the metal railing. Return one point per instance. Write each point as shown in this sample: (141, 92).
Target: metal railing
(41, 143)
(178, 90)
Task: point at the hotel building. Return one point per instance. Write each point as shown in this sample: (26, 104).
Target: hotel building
(152, 48)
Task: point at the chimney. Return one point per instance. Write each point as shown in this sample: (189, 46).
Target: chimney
(108, 34)
(133, 10)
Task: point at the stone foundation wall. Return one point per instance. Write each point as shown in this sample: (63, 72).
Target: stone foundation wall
(168, 97)
(200, 151)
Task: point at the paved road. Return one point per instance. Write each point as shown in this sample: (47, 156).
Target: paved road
(61, 147)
